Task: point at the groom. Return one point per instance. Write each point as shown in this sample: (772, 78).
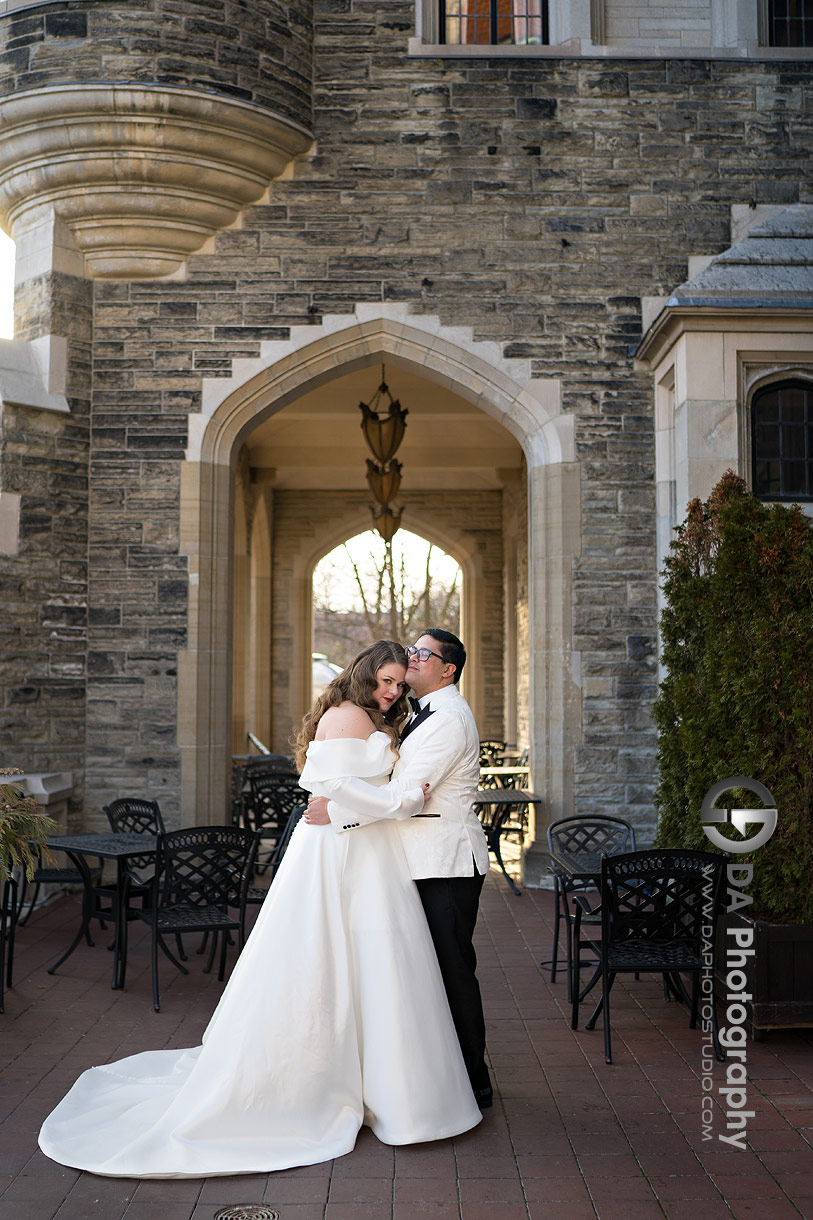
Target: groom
(445, 845)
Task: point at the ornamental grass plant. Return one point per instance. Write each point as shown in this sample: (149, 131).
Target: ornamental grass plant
(737, 695)
(23, 828)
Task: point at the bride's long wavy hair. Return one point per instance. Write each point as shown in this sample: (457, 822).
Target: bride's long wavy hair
(356, 684)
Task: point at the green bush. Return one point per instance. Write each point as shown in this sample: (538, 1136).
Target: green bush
(737, 698)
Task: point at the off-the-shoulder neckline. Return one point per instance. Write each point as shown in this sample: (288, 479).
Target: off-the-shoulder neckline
(323, 741)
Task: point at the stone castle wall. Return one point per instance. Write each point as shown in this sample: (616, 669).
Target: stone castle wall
(44, 587)
(534, 201)
(259, 53)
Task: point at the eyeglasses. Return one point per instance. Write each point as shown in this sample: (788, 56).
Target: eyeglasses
(422, 654)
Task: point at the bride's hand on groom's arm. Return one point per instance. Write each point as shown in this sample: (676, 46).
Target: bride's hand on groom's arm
(316, 813)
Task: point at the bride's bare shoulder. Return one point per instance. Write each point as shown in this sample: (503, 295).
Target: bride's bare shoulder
(346, 720)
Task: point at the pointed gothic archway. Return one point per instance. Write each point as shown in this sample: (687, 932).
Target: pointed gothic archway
(313, 356)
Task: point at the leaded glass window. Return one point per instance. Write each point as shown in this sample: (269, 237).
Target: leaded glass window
(790, 23)
(493, 22)
(782, 441)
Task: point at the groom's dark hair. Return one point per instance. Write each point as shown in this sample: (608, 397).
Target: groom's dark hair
(451, 648)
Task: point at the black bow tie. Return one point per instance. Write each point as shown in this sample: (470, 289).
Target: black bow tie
(414, 704)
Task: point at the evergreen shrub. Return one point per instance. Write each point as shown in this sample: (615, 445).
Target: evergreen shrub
(737, 696)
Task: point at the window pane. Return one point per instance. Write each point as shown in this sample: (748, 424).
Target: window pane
(792, 400)
(793, 442)
(766, 408)
(793, 479)
(767, 479)
(790, 23)
(767, 442)
(485, 22)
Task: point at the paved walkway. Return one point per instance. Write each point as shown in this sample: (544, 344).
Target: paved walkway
(568, 1137)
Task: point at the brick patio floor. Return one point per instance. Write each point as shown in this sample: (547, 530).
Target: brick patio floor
(568, 1137)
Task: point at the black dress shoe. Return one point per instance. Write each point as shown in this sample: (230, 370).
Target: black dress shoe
(484, 1098)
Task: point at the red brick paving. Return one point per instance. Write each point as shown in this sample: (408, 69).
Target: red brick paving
(568, 1136)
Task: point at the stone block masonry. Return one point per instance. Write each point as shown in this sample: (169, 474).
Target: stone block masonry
(259, 53)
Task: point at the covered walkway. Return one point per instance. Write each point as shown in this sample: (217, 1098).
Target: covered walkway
(568, 1136)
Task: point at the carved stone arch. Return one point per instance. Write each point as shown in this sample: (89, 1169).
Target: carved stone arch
(760, 378)
(476, 371)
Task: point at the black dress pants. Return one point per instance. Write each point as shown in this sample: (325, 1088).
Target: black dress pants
(451, 905)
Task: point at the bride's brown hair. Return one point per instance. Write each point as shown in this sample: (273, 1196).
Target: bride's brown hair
(356, 684)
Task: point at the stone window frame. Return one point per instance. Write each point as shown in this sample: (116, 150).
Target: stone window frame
(577, 30)
(755, 378)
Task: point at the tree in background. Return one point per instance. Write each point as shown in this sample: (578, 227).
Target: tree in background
(368, 590)
(737, 697)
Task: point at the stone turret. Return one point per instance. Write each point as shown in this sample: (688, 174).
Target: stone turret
(144, 132)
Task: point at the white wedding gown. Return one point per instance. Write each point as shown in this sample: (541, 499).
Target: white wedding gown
(335, 1015)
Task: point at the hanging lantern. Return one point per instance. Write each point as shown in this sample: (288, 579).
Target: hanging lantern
(383, 433)
(386, 522)
(384, 481)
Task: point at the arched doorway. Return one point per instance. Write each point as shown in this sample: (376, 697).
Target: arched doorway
(526, 574)
(304, 468)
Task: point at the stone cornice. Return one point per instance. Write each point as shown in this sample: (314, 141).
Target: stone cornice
(676, 320)
(142, 175)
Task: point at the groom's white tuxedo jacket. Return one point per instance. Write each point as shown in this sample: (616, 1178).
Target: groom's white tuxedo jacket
(445, 839)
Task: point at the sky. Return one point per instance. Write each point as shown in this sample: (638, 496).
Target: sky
(6, 287)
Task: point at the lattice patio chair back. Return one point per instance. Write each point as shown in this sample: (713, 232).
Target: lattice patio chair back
(262, 764)
(273, 797)
(600, 834)
(132, 815)
(659, 911)
(492, 752)
(202, 877)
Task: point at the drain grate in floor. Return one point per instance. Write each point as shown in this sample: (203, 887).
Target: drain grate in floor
(247, 1211)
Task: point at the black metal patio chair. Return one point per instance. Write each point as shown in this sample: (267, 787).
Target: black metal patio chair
(659, 912)
(600, 834)
(132, 815)
(49, 874)
(8, 918)
(201, 878)
(273, 795)
(257, 765)
(492, 752)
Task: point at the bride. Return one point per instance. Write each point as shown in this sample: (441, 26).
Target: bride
(335, 1014)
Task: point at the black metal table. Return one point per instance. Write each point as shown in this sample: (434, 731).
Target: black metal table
(499, 804)
(118, 847)
(581, 866)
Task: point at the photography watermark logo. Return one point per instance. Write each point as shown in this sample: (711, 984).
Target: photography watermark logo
(739, 818)
(739, 949)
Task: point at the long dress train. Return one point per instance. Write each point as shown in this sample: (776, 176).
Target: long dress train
(335, 1015)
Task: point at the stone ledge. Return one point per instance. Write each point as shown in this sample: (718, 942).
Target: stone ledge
(582, 48)
(142, 176)
(33, 374)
